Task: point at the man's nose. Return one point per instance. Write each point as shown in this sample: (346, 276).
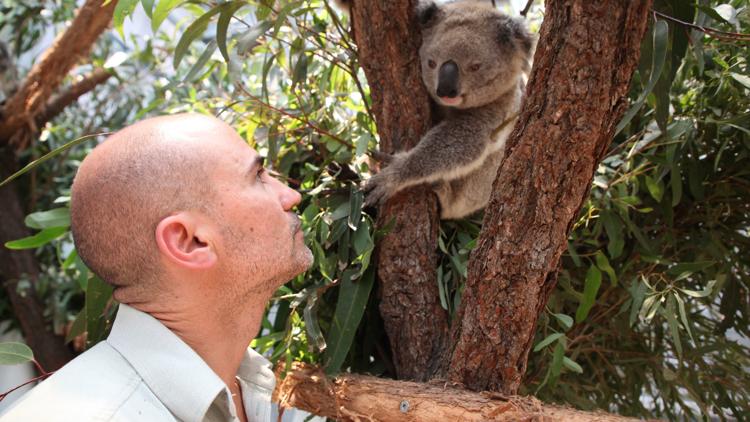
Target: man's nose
(289, 197)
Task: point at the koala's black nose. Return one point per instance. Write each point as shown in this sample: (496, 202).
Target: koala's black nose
(448, 80)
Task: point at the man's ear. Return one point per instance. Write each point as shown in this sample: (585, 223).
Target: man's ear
(181, 239)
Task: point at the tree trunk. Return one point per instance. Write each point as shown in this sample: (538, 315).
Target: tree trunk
(388, 40)
(49, 349)
(362, 398)
(28, 107)
(585, 59)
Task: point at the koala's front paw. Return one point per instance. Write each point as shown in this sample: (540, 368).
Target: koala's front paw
(379, 187)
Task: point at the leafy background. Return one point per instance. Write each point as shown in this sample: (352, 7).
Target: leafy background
(650, 314)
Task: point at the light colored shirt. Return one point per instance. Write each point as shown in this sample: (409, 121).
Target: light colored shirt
(145, 372)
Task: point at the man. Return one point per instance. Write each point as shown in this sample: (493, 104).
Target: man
(179, 215)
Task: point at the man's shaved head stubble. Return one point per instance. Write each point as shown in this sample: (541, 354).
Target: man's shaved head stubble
(130, 182)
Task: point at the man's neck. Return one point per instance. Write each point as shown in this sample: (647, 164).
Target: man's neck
(221, 340)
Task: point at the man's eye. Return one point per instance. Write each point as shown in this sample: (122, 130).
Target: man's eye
(260, 173)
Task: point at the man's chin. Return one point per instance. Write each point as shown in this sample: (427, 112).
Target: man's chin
(307, 259)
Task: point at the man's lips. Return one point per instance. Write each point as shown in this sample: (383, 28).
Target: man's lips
(296, 224)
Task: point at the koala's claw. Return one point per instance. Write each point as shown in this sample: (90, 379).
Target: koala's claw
(376, 190)
(381, 157)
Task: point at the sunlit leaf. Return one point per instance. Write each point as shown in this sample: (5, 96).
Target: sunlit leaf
(223, 25)
(193, 31)
(201, 62)
(743, 79)
(123, 9)
(162, 11)
(547, 341)
(703, 293)
(49, 155)
(565, 320)
(572, 365)
(148, 7)
(58, 217)
(42, 238)
(12, 353)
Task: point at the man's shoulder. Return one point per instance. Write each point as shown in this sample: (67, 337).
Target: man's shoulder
(97, 385)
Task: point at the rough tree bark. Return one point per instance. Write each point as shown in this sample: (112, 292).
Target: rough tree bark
(48, 73)
(359, 397)
(29, 107)
(584, 61)
(388, 38)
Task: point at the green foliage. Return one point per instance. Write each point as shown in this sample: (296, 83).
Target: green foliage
(12, 353)
(651, 313)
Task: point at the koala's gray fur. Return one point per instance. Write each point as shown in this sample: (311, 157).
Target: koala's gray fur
(473, 60)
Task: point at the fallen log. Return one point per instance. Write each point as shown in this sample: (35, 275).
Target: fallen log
(354, 397)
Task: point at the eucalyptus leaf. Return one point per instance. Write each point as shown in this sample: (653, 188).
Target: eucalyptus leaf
(547, 341)
(660, 34)
(123, 9)
(591, 287)
(193, 31)
(49, 155)
(350, 307)
(222, 26)
(40, 239)
(13, 353)
(572, 365)
(58, 217)
(565, 320)
(162, 11)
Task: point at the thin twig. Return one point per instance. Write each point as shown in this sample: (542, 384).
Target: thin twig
(711, 32)
(35, 379)
(527, 8)
(298, 118)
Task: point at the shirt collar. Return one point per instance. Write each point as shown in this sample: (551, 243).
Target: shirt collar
(173, 371)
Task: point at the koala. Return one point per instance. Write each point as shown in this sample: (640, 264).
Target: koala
(473, 60)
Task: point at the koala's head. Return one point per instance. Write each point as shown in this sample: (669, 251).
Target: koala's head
(471, 53)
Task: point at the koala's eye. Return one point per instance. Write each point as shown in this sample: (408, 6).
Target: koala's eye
(431, 63)
(475, 67)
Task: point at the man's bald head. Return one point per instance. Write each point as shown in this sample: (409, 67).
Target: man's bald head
(130, 182)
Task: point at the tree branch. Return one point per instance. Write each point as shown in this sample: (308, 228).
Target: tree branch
(353, 397)
(48, 73)
(62, 100)
(711, 32)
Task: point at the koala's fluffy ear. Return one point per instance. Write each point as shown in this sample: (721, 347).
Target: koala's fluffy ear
(428, 13)
(510, 31)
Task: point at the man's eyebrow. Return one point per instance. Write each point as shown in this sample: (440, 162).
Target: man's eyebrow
(255, 165)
